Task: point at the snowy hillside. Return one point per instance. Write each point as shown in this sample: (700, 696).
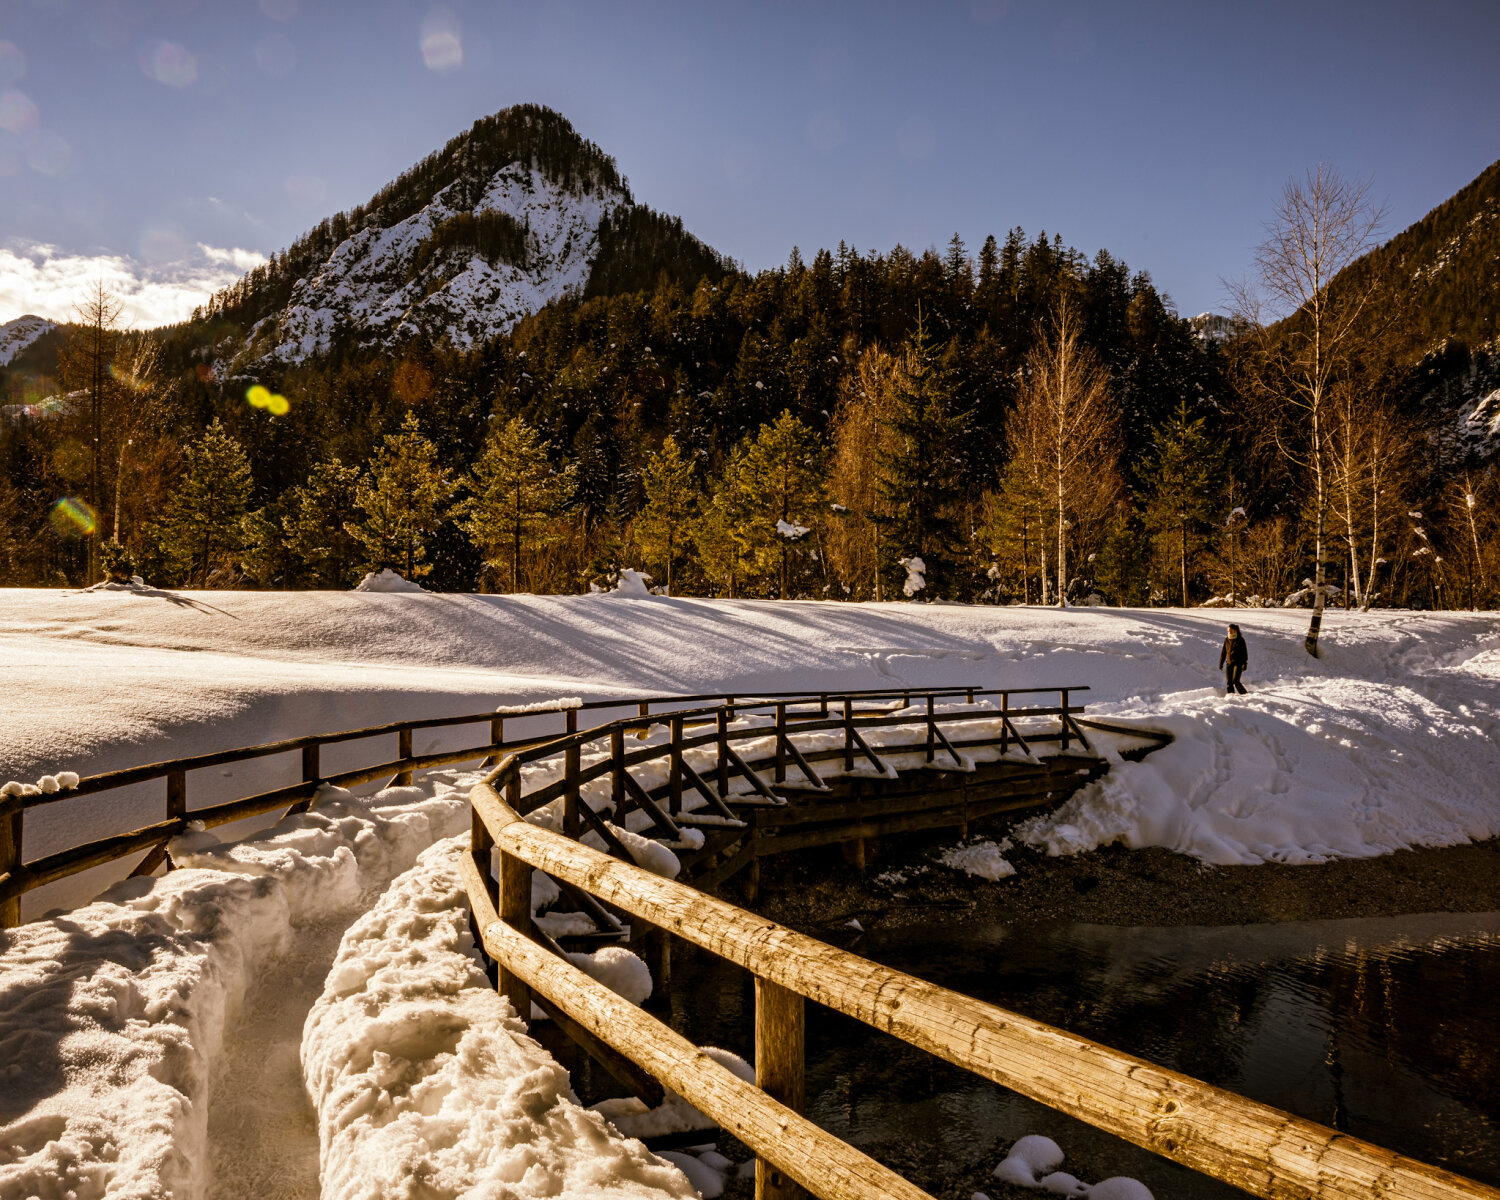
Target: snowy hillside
(16, 335)
(378, 284)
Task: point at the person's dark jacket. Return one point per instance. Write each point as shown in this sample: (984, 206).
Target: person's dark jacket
(1234, 650)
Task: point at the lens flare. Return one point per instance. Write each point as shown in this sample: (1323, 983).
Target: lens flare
(442, 46)
(12, 64)
(18, 112)
(71, 517)
(274, 403)
(171, 64)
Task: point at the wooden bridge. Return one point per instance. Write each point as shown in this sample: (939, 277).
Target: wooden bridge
(723, 782)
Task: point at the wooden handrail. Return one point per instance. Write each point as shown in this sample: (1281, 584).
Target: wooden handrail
(1252, 1146)
(18, 877)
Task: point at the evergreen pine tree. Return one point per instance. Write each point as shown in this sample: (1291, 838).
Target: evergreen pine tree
(516, 490)
(671, 500)
(917, 465)
(203, 519)
(319, 526)
(782, 479)
(403, 499)
(1183, 484)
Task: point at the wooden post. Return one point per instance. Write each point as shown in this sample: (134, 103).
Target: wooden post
(572, 820)
(1004, 722)
(177, 793)
(310, 768)
(403, 750)
(780, 1040)
(781, 743)
(969, 696)
(676, 794)
(617, 768)
(11, 812)
(497, 731)
(723, 728)
(645, 708)
(513, 904)
(823, 704)
(659, 961)
(752, 882)
(931, 730)
(848, 734)
(1062, 719)
(513, 789)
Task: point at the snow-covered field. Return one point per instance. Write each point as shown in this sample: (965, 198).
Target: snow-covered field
(153, 1041)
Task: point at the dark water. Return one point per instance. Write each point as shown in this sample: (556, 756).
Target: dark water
(1383, 1028)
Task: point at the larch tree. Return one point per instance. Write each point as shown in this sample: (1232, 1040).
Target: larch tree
(1063, 430)
(671, 502)
(516, 491)
(1322, 224)
(404, 499)
(203, 521)
(860, 437)
(86, 363)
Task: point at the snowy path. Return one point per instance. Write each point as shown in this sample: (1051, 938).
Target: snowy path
(262, 1131)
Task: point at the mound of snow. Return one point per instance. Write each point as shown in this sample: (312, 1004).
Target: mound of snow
(983, 860)
(1033, 1162)
(414, 1062)
(386, 580)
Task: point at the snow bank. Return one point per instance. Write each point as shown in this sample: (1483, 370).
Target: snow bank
(111, 1020)
(418, 1070)
(113, 1015)
(386, 581)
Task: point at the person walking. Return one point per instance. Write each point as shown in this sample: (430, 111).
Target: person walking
(1233, 657)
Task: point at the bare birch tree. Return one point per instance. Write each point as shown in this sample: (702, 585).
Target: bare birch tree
(1322, 224)
(1063, 429)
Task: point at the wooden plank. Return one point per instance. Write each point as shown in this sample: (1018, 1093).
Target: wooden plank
(744, 857)
(81, 858)
(780, 1048)
(1249, 1145)
(806, 1154)
(664, 824)
(154, 858)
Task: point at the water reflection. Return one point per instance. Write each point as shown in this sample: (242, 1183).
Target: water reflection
(1380, 1027)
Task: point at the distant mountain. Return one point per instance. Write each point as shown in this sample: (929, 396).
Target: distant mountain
(515, 213)
(1439, 281)
(17, 335)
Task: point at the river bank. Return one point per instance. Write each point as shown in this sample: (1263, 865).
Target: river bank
(906, 885)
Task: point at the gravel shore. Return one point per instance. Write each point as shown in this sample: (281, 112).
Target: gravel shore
(905, 885)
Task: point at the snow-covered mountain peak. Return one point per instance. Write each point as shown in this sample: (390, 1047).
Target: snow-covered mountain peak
(16, 335)
(444, 272)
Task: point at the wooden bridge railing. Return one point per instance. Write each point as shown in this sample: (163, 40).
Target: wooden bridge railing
(19, 876)
(1252, 1146)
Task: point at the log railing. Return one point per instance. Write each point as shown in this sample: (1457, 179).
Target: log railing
(19, 876)
(1252, 1146)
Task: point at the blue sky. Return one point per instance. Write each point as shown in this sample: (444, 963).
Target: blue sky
(164, 144)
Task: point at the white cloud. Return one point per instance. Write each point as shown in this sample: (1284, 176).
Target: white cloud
(40, 279)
